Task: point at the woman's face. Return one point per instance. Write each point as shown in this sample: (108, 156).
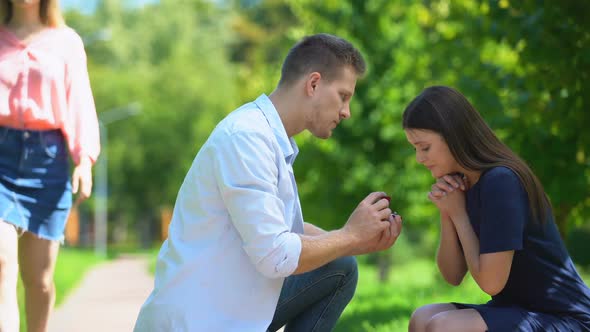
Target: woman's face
(25, 3)
(432, 151)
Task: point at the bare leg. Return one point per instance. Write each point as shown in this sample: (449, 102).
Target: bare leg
(9, 320)
(37, 263)
(422, 315)
(464, 320)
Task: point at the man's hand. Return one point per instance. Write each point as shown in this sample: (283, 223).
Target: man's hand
(388, 237)
(82, 180)
(371, 225)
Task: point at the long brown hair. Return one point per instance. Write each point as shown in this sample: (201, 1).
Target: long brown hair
(472, 142)
(48, 12)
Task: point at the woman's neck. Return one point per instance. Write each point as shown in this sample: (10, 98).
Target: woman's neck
(472, 177)
(25, 18)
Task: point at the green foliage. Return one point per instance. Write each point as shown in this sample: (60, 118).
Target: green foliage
(506, 57)
(172, 60)
(579, 245)
(547, 94)
(524, 65)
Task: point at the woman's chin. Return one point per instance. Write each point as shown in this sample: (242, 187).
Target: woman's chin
(435, 174)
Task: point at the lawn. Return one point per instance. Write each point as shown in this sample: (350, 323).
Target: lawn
(71, 267)
(413, 281)
(380, 307)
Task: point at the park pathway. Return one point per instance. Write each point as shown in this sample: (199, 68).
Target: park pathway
(107, 299)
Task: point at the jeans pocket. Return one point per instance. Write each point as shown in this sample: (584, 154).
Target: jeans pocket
(52, 143)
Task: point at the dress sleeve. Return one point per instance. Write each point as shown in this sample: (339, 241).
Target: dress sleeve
(505, 211)
(247, 176)
(82, 131)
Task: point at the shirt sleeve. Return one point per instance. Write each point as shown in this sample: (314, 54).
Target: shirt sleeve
(247, 176)
(504, 211)
(82, 130)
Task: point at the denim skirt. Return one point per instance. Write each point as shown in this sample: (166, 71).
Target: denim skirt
(35, 187)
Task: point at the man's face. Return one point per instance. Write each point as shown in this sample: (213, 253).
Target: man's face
(432, 151)
(331, 103)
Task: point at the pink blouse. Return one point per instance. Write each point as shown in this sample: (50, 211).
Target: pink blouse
(44, 85)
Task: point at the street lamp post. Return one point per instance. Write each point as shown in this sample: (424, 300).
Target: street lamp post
(103, 34)
(101, 175)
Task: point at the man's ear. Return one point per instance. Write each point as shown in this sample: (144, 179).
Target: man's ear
(312, 82)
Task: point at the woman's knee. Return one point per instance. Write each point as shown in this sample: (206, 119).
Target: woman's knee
(38, 264)
(457, 320)
(446, 321)
(437, 323)
(419, 319)
(42, 282)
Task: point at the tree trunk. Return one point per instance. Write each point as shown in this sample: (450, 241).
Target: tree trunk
(384, 264)
(562, 212)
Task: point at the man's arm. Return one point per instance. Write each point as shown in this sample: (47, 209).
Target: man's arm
(311, 229)
(317, 250)
(370, 228)
(246, 174)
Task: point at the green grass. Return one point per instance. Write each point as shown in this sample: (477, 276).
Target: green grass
(72, 265)
(387, 306)
(414, 280)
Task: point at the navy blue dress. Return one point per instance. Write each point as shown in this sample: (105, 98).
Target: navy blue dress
(544, 292)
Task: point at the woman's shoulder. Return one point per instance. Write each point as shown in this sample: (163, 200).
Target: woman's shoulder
(500, 176)
(498, 171)
(69, 43)
(68, 34)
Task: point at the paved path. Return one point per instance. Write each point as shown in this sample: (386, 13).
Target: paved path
(107, 299)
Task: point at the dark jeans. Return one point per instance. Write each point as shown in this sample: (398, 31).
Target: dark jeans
(313, 301)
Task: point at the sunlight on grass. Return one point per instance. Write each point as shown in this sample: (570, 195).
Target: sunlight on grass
(387, 306)
(414, 280)
(381, 307)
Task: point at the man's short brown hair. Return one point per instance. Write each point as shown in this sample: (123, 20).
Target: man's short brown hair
(323, 53)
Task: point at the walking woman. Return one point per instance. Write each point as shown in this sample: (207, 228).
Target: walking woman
(46, 110)
(496, 222)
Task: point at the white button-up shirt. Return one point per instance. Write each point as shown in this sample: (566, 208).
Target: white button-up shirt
(232, 239)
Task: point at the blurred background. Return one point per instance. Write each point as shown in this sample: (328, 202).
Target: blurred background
(164, 72)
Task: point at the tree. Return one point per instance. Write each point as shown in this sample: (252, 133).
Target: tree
(178, 69)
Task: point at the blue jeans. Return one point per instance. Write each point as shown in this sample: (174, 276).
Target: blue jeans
(35, 187)
(313, 301)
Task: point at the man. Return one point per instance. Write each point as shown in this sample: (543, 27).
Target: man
(238, 251)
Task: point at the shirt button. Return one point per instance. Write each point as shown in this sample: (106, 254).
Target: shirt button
(26, 134)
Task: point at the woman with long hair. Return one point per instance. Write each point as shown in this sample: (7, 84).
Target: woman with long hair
(46, 110)
(496, 222)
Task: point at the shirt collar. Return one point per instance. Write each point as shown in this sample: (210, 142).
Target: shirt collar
(287, 144)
